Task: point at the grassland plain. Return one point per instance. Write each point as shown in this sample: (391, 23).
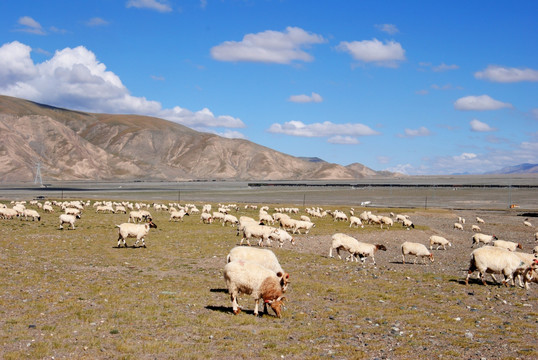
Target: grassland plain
(71, 294)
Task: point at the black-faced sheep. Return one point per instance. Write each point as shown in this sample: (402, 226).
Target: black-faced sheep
(138, 231)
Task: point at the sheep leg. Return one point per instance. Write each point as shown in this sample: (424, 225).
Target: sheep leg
(403, 259)
(256, 303)
(235, 306)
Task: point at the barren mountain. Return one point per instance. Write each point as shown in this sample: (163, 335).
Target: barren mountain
(74, 145)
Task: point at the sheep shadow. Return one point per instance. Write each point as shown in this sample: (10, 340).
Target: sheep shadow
(228, 310)
(218, 290)
(129, 247)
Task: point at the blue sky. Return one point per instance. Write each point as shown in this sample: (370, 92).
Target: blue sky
(420, 87)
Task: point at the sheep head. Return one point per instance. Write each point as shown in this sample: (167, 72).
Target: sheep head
(276, 305)
(152, 225)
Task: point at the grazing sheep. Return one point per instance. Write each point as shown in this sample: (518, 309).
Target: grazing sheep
(29, 213)
(475, 228)
(303, 225)
(535, 250)
(48, 208)
(439, 241)
(417, 249)
(408, 223)
(230, 219)
(281, 236)
(353, 220)
(138, 231)
(527, 223)
(139, 216)
(120, 209)
(387, 221)
(343, 242)
(339, 215)
(458, 226)
(266, 219)
(288, 223)
(243, 220)
(480, 220)
(508, 245)
(495, 260)
(260, 232)
(482, 238)
(7, 213)
(104, 209)
(263, 257)
(400, 217)
(217, 215)
(257, 281)
(206, 218)
(530, 274)
(178, 215)
(364, 250)
(461, 220)
(72, 211)
(305, 218)
(68, 219)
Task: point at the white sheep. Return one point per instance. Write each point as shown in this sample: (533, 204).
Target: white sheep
(483, 238)
(139, 216)
(7, 213)
(30, 213)
(408, 223)
(353, 220)
(68, 219)
(260, 232)
(417, 249)
(266, 219)
(527, 223)
(536, 236)
(508, 245)
(475, 228)
(178, 215)
(217, 215)
(480, 220)
(138, 231)
(458, 226)
(303, 225)
(206, 218)
(461, 220)
(363, 250)
(530, 274)
(288, 223)
(339, 215)
(228, 218)
(104, 209)
(48, 208)
(281, 236)
(120, 209)
(305, 218)
(439, 241)
(495, 260)
(387, 221)
(257, 281)
(72, 211)
(535, 250)
(263, 257)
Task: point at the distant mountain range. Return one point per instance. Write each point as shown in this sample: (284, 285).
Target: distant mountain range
(74, 145)
(517, 169)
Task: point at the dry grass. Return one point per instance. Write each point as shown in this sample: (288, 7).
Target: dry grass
(72, 294)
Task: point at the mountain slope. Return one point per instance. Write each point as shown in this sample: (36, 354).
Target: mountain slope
(74, 145)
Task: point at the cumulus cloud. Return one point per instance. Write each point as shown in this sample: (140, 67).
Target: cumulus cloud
(325, 129)
(31, 26)
(161, 6)
(437, 68)
(231, 134)
(421, 131)
(465, 156)
(388, 28)
(344, 140)
(306, 98)
(506, 75)
(374, 51)
(479, 126)
(74, 78)
(406, 169)
(269, 47)
(479, 103)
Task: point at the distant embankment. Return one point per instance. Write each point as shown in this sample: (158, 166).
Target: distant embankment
(357, 186)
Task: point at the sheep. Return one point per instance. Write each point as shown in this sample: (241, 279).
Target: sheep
(127, 230)
(230, 219)
(416, 249)
(287, 223)
(305, 218)
(68, 219)
(48, 208)
(482, 238)
(353, 220)
(120, 209)
(528, 260)
(508, 245)
(243, 220)
(461, 220)
(178, 215)
(263, 257)
(303, 225)
(139, 216)
(535, 250)
(257, 281)
(104, 209)
(530, 274)
(72, 211)
(281, 236)
(400, 218)
(32, 214)
(495, 260)
(475, 228)
(206, 218)
(480, 220)
(527, 223)
(536, 236)
(387, 221)
(217, 215)
(7, 213)
(345, 242)
(439, 241)
(339, 215)
(364, 250)
(408, 223)
(266, 219)
(458, 226)
(260, 232)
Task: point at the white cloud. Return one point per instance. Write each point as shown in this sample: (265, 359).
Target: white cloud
(382, 54)
(161, 6)
(465, 156)
(325, 129)
(269, 47)
(74, 78)
(30, 26)
(388, 28)
(421, 131)
(405, 169)
(507, 75)
(306, 98)
(479, 126)
(479, 103)
(231, 134)
(96, 21)
(444, 67)
(344, 140)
